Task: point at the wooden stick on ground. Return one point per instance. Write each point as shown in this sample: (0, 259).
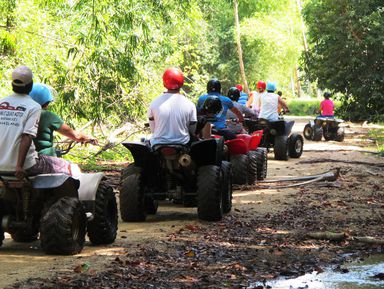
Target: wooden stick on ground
(327, 176)
(322, 160)
(332, 236)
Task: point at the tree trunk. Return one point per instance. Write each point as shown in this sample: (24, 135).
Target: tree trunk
(297, 80)
(239, 49)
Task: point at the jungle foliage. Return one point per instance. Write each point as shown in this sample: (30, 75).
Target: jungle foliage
(105, 58)
(346, 53)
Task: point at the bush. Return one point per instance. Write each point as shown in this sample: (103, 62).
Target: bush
(304, 107)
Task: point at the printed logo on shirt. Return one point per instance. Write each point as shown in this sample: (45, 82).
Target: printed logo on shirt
(10, 115)
(7, 106)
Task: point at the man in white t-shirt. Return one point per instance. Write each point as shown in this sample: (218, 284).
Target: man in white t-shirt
(270, 103)
(172, 117)
(19, 119)
(255, 96)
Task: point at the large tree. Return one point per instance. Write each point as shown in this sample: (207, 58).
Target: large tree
(346, 53)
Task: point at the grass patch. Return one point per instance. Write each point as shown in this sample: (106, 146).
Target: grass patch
(378, 136)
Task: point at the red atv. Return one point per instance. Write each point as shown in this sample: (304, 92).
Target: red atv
(249, 162)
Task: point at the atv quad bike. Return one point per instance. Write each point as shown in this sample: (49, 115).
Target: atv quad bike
(60, 209)
(249, 162)
(191, 175)
(329, 127)
(277, 136)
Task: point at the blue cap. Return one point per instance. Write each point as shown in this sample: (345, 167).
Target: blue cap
(41, 93)
(271, 86)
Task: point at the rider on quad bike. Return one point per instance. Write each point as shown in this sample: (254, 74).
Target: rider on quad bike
(277, 131)
(244, 153)
(235, 126)
(326, 124)
(220, 124)
(254, 99)
(50, 122)
(38, 195)
(173, 166)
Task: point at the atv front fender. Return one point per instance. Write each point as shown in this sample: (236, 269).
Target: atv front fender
(289, 126)
(89, 184)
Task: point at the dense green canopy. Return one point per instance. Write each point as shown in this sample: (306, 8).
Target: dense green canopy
(347, 53)
(105, 58)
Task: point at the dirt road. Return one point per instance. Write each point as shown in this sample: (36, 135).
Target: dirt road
(263, 237)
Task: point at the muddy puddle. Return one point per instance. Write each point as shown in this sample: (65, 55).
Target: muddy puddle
(367, 274)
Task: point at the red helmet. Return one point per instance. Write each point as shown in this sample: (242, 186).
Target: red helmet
(239, 87)
(173, 78)
(261, 84)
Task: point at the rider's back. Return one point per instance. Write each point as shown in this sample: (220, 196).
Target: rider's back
(269, 106)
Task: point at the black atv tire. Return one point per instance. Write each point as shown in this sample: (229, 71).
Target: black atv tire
(328, 135)
(1, 236)
(262, 163)
(340, 135)
(295, 145)
(63, 227)
(252, 168)
(280, 147)
(209, 193)
(226, 168)
(22, 236)
(317, 133)
(151, 205)
(132, 201)
(103, 228)
(129, 170)
(308, 132)
(239, 169)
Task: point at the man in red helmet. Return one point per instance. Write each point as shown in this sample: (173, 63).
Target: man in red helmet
(172, 117)
(254, 98)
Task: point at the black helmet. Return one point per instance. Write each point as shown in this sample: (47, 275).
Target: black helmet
(234, 94)
(214, 85)
(327, 95)
(212, 105)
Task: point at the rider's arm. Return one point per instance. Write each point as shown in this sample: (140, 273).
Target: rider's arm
(283, 104)
(151, 120)
(74, 135)
(25, 143)
(192, 127)
(192, 120)
(250, 100)
(238, 113)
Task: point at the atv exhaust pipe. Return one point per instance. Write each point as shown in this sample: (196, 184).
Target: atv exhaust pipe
(185, 160)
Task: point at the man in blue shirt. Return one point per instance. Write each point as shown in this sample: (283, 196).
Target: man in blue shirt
(220, 124)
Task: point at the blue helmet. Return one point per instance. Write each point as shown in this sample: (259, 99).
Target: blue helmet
(41, 93)
(271, 86)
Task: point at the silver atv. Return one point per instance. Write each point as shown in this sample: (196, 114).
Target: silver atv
(327, 127)
(58, 208)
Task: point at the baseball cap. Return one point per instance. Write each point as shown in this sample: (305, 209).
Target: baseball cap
(22, 76)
